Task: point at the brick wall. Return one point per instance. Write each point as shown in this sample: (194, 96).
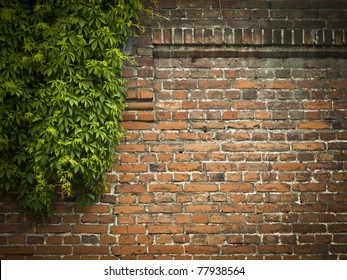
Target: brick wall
(235, 147)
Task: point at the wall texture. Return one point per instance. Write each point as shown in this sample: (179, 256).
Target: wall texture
(235, 147)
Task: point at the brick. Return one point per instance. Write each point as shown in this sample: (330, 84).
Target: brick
(236, 187)
(91, 250)
(214, 105)
(268, 84)
(272, 147)
(273, 228)
(306, 228)
(196, 249)
(89, 228)
(337, 207)
(72, 240)
(316, 105)
(165, 229)
(239, 249)
(129, 250)
(131, 168)
(278, 125)
(243, 124)
(214, 84)
(92, 209)
(338, 248)
(237, 208)
(17, 250)
(274, 187)
(189, 187)
(127, 240)
(207, 229)
(229, 115)
(52, 229)
(241, 105)
(308, 187)
(184, 166)
(201, 208)
(201, 147)
(313, 125)
(237, 228)
(180, 84)
(128, 229)
(171, 125)
(165, 188)
(253, 166)
(308, 146)
(17, 239)
(289, 166)
(128, 209)
(164, 209)
(166, 249)
(219, 166)
(272, 208)
(318, 207)
(275, 249)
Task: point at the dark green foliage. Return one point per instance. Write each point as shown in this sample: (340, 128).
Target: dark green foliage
(61, 96)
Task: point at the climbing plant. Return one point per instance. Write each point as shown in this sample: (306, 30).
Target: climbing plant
(61, 96)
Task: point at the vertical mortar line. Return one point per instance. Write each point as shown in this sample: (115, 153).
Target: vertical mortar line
(263, 36)
(220, 11)
(333, 36)
(343, 36)
(172, 35)
(232, 36)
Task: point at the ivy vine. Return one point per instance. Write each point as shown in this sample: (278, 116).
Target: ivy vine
(61, 96)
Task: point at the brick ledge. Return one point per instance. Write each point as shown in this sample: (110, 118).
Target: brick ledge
(208, 51)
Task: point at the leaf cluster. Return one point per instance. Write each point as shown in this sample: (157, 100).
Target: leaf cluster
(61, 96)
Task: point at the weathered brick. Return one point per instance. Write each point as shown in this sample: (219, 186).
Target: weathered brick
(313, 125)
(236, 187)
(17, 250)
(165, 229)
(275, 249)
(200, 187)
(184, 166)
(167, 249)
(306, 228)
(91, 250)
(309, 146)
(201, 147)
(127, 250)
(201, 208)
(128, 209)
(201, 229)
(274, 187)
(128, 229)
(196, 249)
(239, 249)
(289, 166)
(237, 208)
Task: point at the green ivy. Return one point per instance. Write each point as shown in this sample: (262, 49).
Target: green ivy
(61, 96)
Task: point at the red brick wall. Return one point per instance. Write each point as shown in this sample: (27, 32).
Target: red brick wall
(235, 146)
